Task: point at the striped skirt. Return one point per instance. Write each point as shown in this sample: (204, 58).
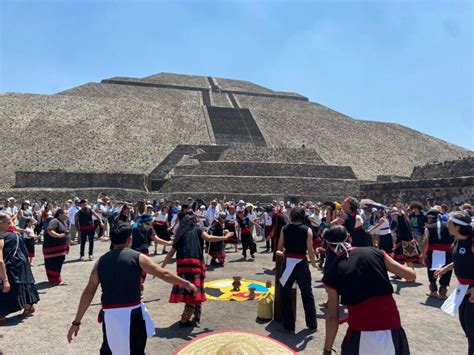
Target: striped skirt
(193, 271)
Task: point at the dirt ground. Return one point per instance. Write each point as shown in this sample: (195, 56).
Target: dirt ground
(429, 330)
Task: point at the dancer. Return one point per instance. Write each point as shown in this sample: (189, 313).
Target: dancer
(85, 225)
(30, 237)
(17, 284)
(296, 241)
(354, 223)
(406, 249)
(460, 228)
(245, 227)
(56, 247)
(359, 277)
(189, 245)
(160, 225)
(438, 246)
(143, 234)
(126, 323)
(382, 230)
(230, 225)
(217, 249)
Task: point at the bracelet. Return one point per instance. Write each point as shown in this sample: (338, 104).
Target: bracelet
(76, 323)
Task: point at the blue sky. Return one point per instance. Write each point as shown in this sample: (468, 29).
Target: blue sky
(409, 62)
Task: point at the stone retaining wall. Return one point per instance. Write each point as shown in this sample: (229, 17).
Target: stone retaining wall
(449, 191)
(250, 168)
(63, 179)
(318, 188)
(446, 169)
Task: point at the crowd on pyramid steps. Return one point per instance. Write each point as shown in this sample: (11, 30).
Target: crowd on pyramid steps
(355, 243)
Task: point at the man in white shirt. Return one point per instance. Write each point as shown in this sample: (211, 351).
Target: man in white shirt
(201, 213)
(71, 220)
(268, 228)
(212, 212)
(100, 209)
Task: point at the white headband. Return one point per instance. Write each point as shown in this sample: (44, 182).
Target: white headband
(458, 221)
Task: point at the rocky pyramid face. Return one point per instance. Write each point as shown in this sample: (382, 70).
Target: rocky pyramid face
(131, 125)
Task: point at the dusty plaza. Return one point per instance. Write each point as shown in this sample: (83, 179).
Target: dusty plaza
(429, 330)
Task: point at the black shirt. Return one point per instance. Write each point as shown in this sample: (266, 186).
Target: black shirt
(59, 228)
(119, 275)
(216, 229)
(85, 217)
(349, 223)
(142, 237)
(360, 276)
(441, 237)
(296, 236)
(463, 260)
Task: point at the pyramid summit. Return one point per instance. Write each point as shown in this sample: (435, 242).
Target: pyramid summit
(171, 133)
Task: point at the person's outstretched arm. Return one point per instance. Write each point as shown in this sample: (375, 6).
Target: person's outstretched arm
(86, 299)
(399, 269)
(168, 257)
(150, 267)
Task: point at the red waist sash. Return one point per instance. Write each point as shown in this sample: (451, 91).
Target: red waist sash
(86, 227)
(375, 313)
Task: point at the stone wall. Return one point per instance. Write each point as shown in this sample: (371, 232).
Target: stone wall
(446, 169)
(449, 191)
(249, 168)
(317, 188)
(62, 179)
(272, 154)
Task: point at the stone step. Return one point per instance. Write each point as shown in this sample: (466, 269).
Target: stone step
(272, 154)
(317, 187)
(234, 126)
(259, 168)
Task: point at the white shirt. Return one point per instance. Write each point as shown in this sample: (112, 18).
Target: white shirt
(267, 218)
(29, 233)
(72, 214)
(212, 214)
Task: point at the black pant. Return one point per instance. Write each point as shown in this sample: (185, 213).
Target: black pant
(138, 335)
(466, 317)
(248, 243)
(302, 276)
(88, 234)
(443, 280)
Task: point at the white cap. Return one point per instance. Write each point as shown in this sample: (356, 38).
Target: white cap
(202, 207)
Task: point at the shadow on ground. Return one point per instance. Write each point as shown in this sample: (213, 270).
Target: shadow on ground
(174, 331)
(433, 302)
(297, 341)
(400, 284)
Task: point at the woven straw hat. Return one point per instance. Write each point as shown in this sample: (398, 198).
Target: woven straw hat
(234, 342)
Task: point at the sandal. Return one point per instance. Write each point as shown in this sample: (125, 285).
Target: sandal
(28, 312)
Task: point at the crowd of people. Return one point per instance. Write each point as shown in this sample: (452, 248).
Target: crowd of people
(355, 243)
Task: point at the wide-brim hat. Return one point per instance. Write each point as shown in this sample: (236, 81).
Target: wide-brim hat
(234, 342)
